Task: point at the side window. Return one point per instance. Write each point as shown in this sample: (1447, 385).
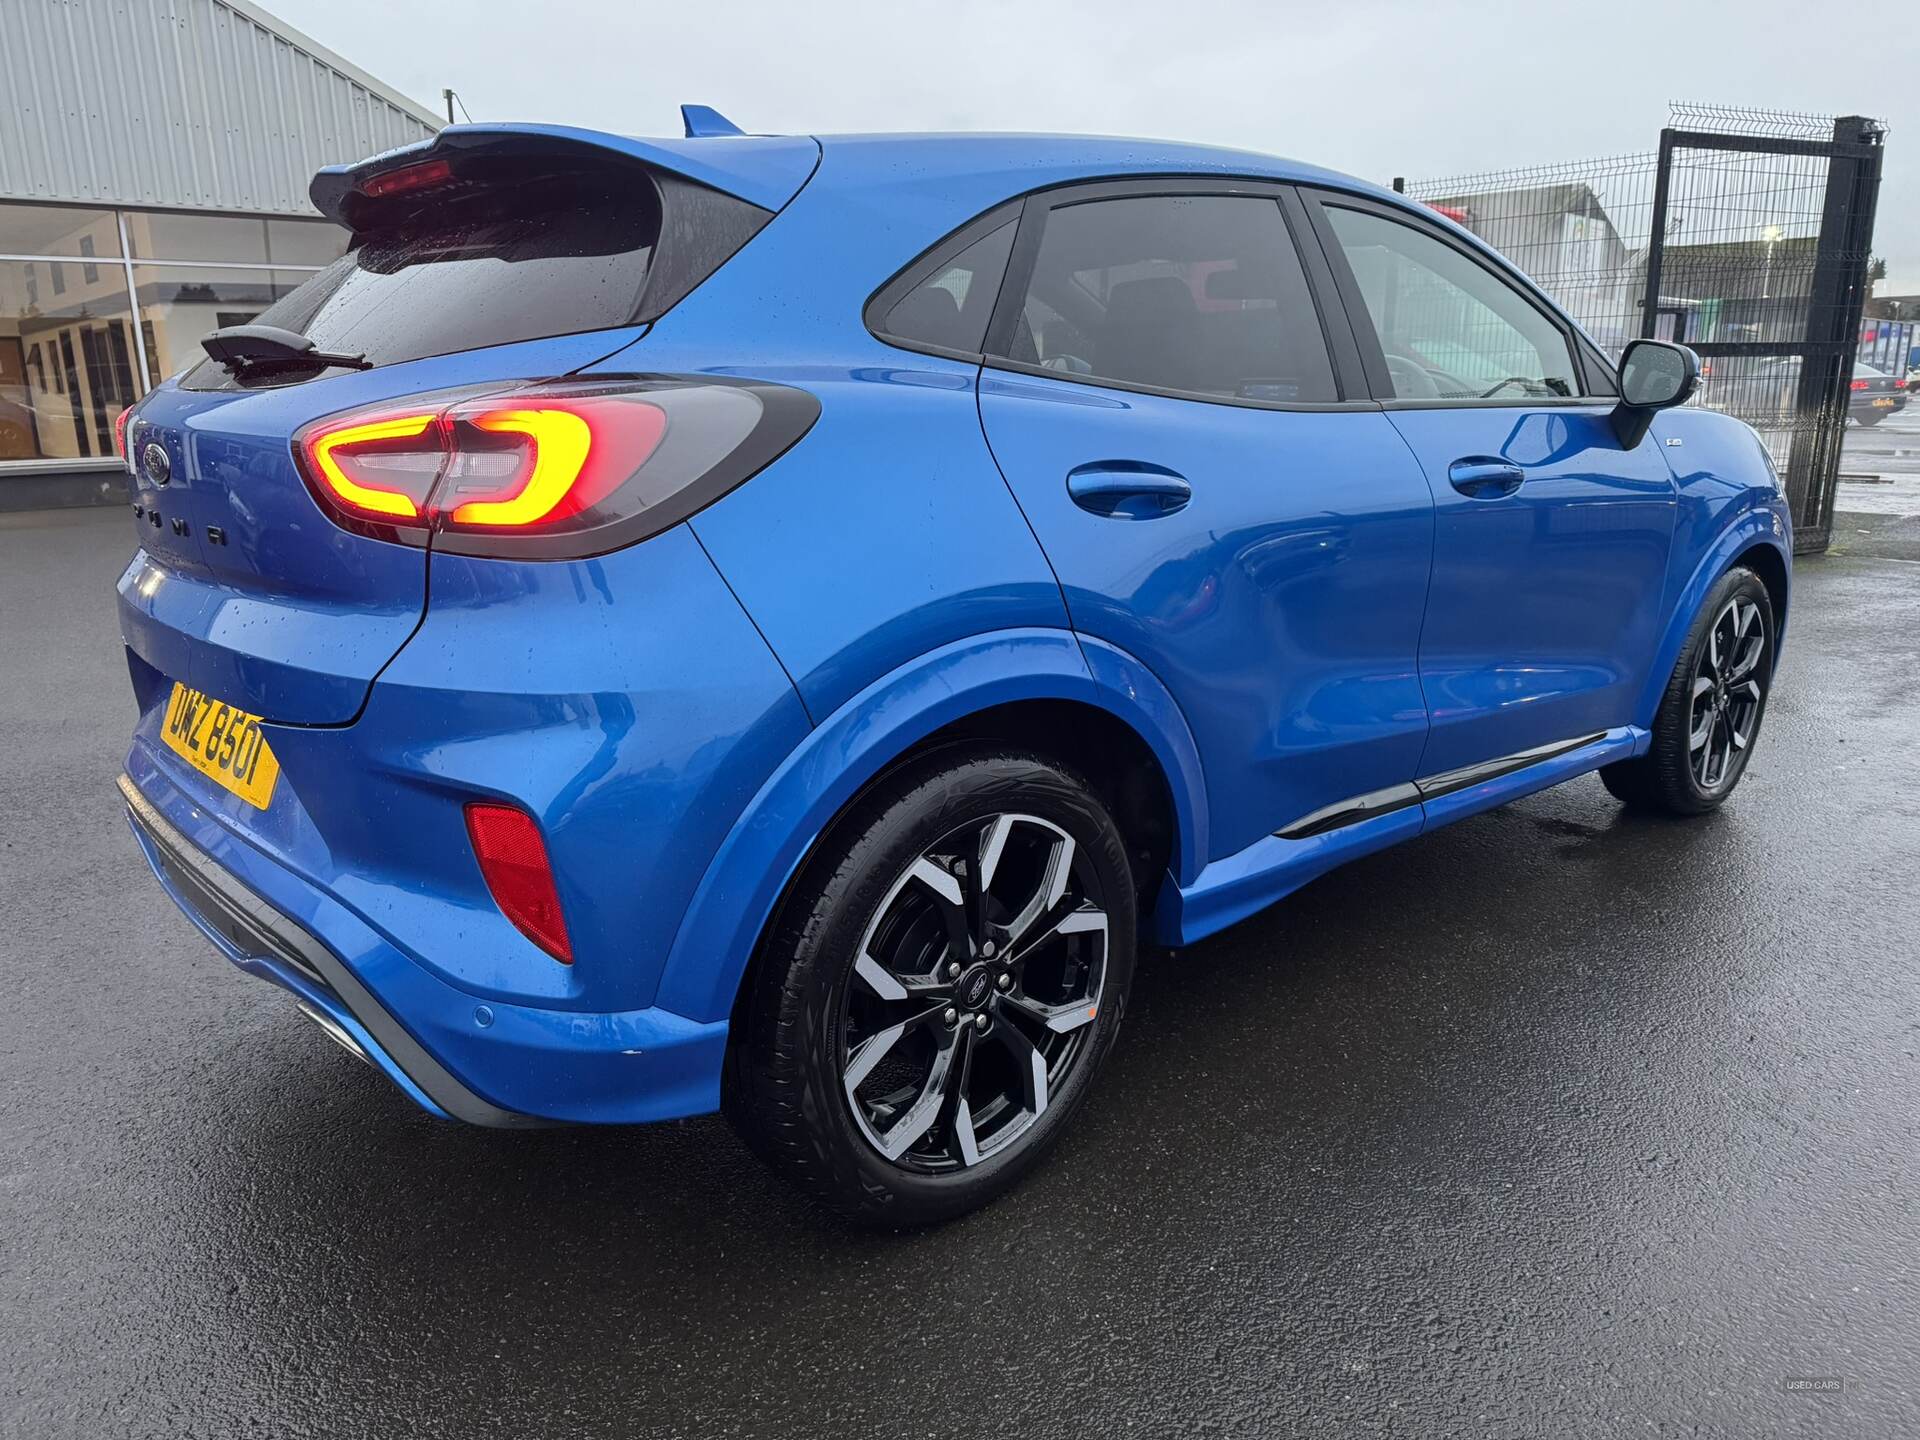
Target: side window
(1451, 328)
(1199, 294)
(951, 307)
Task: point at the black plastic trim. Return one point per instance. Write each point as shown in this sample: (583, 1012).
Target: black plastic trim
(223, 903)
(1433, 786)
(1398, 797)
(1351, 812)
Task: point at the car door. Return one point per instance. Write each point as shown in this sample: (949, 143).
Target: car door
(1177, 421)
(1552, 538)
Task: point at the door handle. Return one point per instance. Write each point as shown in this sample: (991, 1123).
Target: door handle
(1128, 490)
(1485, 477)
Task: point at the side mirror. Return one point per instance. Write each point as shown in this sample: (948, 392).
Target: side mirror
(1654, 375)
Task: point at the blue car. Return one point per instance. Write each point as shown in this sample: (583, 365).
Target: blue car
(774, 624)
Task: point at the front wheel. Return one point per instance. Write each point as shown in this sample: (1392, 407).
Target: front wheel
(1709, 717)
(942, 983)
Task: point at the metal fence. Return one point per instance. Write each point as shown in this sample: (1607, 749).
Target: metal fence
(1745, 234)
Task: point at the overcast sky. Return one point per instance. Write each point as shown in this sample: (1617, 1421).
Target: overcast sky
(1374, 87)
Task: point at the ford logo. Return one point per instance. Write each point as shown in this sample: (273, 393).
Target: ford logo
(158, 467)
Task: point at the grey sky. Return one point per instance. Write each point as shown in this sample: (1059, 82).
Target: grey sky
(1375, 87)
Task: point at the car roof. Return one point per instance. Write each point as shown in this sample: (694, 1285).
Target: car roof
(1058, 158)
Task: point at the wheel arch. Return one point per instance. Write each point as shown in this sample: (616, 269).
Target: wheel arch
(1756, 540)
(1091, 706)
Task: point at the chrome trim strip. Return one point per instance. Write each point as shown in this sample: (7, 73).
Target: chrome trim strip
(1399, 797)
(1448, 781)
(1350, 812)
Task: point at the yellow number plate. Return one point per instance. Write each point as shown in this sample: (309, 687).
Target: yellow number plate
(222, 743)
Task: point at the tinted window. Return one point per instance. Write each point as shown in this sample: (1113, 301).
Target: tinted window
(951, 307)
(1201, 294)
(512, 262)
(1451, 328)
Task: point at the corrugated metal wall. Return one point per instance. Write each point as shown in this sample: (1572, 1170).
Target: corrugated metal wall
(190, 103)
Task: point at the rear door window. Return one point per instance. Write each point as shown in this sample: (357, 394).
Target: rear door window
(1196, 295)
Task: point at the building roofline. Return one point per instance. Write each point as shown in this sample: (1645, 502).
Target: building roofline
(266, 20)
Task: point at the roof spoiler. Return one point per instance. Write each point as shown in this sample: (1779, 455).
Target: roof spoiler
(763, 170)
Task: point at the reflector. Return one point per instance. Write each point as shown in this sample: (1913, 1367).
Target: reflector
(513, 861)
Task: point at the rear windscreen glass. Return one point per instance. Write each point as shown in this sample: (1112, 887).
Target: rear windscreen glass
(498, 267)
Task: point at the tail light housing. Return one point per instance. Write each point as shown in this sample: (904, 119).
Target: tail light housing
(120, 432)
(513, 861)
(553, 471)
(1858, 385)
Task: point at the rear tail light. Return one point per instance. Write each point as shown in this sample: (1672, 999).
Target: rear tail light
(549, 471)
(120, 432)
(513, 861)
(1859, 385)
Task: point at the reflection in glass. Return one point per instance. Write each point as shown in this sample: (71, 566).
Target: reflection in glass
(67, 365)
(179, 304)
(57, 230)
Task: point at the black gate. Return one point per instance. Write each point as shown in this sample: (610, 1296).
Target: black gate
(1758, 254)
(1746, 236)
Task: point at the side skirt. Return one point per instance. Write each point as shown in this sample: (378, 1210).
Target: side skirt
(1230, 889)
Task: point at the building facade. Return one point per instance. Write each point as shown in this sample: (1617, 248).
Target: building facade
(154, 159)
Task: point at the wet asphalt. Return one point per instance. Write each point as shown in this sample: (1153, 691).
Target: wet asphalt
(1554, 1123)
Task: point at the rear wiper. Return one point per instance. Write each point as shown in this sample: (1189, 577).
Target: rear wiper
(268, 347)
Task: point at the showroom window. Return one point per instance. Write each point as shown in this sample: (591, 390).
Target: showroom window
(98, 306)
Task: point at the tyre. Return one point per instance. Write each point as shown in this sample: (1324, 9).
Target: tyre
(1870, 417)
(942, 982)
(1709, 717)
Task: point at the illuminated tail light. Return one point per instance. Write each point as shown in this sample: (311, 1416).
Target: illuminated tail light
(422, 176)
(1859, 385)
(513, 861)
(546, 471)
(120, 432)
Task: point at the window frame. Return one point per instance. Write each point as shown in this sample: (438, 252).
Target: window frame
(1380, 384)
(1343, 352)
(929, 263)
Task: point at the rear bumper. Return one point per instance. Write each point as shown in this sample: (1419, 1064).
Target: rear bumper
(456, 1055)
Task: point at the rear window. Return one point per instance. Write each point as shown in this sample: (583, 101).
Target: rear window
(506, 263)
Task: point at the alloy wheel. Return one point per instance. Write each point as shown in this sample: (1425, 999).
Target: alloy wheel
(973, 993)
(1727, 695)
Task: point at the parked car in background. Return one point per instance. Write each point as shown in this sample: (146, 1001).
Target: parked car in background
(773, 623)
(1875, 394)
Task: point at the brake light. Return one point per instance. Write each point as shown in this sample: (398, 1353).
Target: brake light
(1859, 385)
(513, 861)
(120, 432)
(422, 176)
(546, 471)
(381, 468)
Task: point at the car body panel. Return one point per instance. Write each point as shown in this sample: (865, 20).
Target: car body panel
(625, 702)
(1545, 603)
(293, 616)
(1280, 606)
(846, 749)
(685, 717)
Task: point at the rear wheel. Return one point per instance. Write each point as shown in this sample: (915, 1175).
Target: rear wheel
(1709, 718)
(940, 987)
